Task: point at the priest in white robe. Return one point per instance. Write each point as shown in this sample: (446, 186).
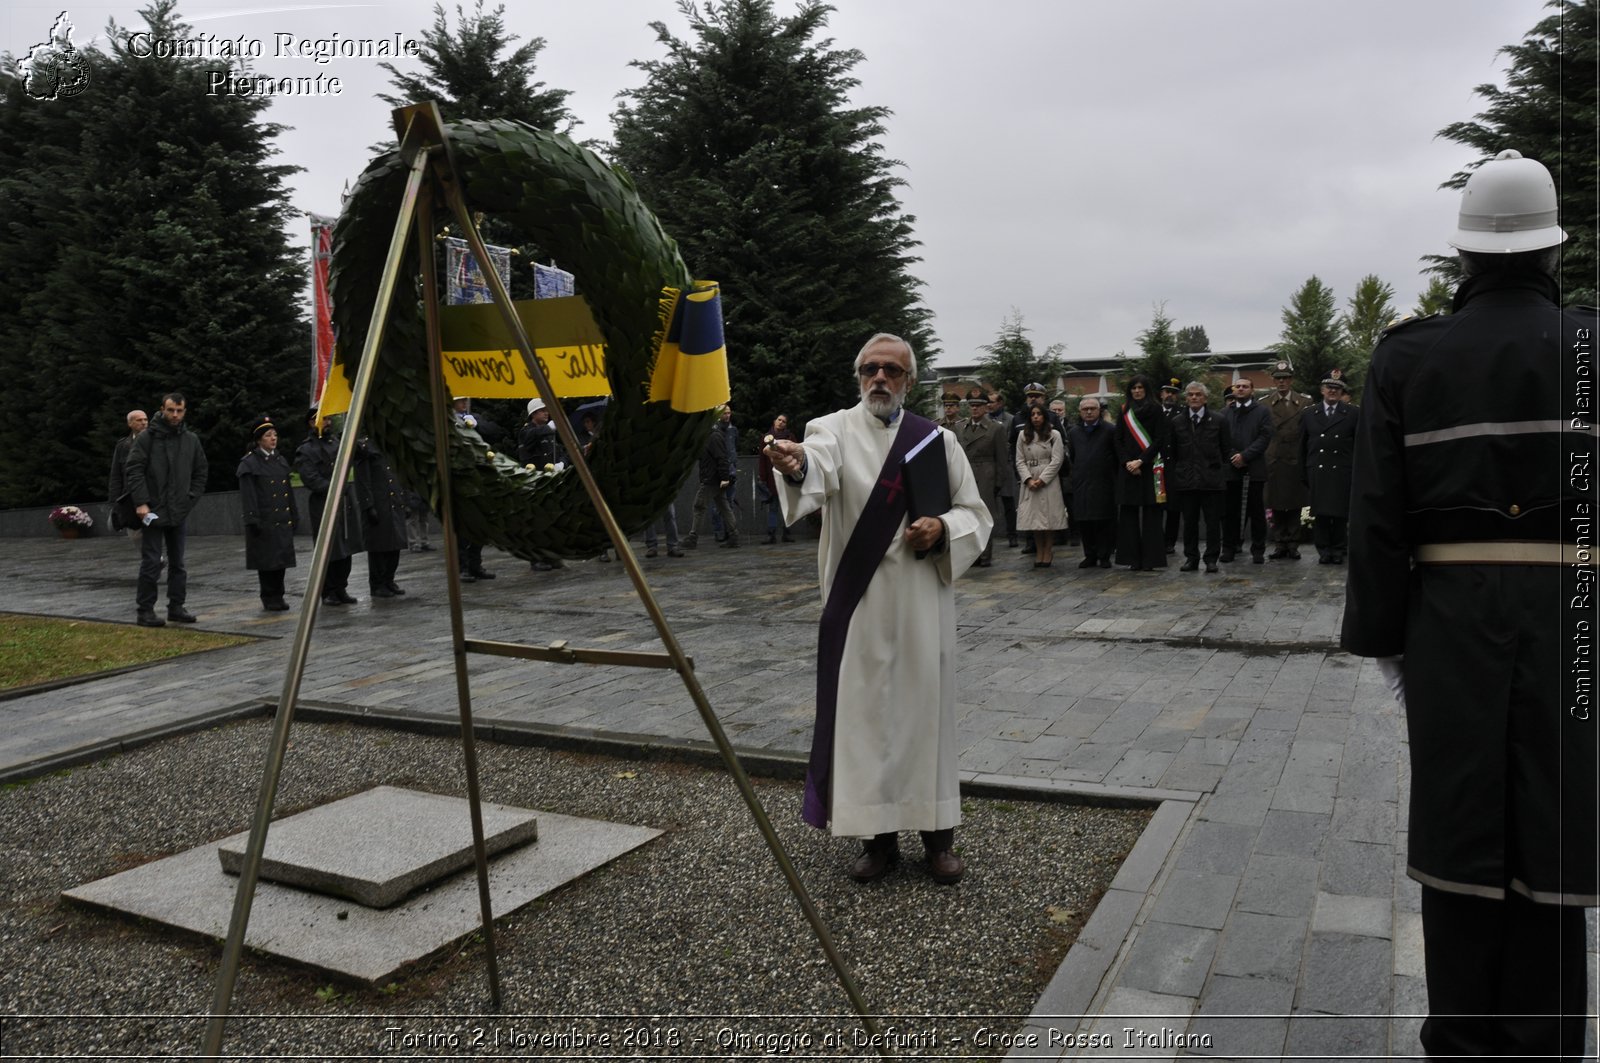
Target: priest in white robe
(884, 754)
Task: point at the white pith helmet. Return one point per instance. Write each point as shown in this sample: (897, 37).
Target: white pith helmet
(534, 406)
(1509, 205)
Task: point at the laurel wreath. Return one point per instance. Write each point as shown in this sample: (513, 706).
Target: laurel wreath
(587, 214)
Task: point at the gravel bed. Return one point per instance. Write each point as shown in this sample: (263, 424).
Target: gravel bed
(694, 935)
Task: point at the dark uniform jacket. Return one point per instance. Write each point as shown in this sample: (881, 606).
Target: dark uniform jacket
(1286, 489)
(270, 515)
(313, 460)
(1327, 449)
(539, 445)
(1467, 436)
(1140, 490)
(1200, 453)
(984, 443)
(166, 470)
(1251, 430)
(1092, 454)
(1008, 477)
(382, 500)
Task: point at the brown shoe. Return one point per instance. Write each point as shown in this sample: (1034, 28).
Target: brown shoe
(878, 856)
(945, 867)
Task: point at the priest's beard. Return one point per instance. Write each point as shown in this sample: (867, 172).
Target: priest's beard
(880, 401)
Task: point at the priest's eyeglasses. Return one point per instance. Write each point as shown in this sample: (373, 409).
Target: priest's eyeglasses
(868, 370)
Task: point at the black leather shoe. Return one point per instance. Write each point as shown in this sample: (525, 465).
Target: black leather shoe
(482, 574)
(1190, 565)
(983, 562)
(673, 551)
(275, 605)
(332, 599)
(467, 577)
(650, 552)
(1294, 555)
(344, 597)
(148, 618)
(1324, 560)
(1211, 566)
(1336, 559)
(876, 860)
(1087, 562)
(180, 614)
(1279, 554)
(945, 867)
(1105, 562)
(394, 588)
(1257, 559)
(382, 592)
(1226, 556)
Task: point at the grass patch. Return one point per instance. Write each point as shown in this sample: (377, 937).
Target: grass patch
(35, 649)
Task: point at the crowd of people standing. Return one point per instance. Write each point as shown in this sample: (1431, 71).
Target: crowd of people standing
(1167, 471)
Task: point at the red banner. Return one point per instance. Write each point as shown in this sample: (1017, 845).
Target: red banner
(321, 303)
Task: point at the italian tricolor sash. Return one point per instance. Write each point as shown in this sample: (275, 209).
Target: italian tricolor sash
(1158, 467)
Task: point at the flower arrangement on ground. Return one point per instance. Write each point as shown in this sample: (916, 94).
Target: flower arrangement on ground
(64, 517)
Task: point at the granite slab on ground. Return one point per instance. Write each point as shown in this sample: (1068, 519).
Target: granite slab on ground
(378, 846)
(331, 934)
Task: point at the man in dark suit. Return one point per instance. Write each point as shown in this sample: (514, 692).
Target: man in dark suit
(1327, 446)
(1250, 429)
(1092, 456)
(1199, 474)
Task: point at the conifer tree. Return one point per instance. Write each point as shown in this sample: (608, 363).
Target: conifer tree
(1371, 311)
(744, 141)
(145, 252)
(1192, 339)
(465, 73)
(1160, 356)
(1436, 299)
(1547, 112)
(1011, 362)
(1312, 340)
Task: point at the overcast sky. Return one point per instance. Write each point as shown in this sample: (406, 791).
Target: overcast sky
(1077, 160)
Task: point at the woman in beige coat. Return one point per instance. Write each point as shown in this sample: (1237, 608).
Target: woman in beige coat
(1039, 506)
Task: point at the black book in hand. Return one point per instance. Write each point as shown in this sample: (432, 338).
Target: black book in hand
(927, 480)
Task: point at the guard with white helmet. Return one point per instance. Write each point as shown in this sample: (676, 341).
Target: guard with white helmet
(1472, 580)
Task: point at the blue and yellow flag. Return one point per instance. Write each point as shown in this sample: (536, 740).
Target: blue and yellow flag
(691, 370)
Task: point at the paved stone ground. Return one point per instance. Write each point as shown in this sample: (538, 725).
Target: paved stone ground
(1271, 911)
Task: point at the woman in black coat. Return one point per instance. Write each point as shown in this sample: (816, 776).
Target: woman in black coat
(270, 517)
(1141, 439)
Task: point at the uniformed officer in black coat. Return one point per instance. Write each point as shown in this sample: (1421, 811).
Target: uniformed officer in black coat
(1472, 579)
(1327, 447)
(270, 514)
(383, 511)
(314, 461)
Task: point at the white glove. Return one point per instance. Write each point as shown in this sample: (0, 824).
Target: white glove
(1394, 676)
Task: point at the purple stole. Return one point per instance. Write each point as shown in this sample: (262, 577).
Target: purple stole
(875, 530)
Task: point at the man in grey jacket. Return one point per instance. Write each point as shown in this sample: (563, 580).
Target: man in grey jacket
(166, 475)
